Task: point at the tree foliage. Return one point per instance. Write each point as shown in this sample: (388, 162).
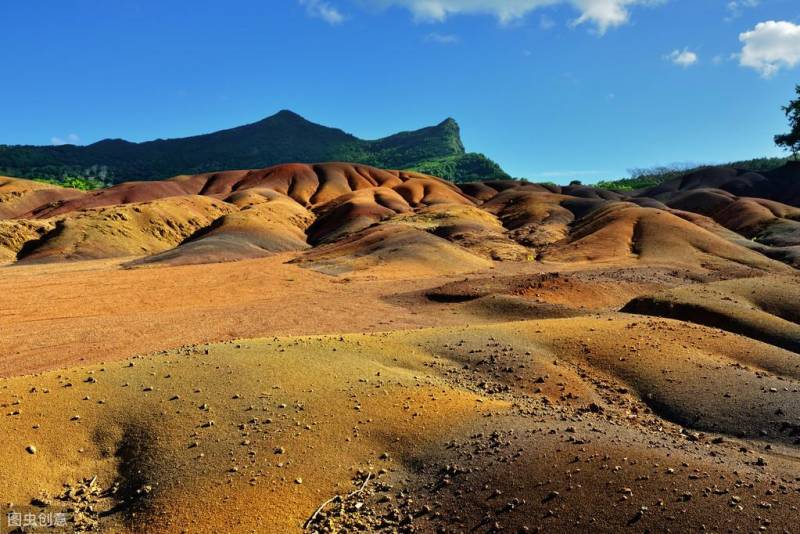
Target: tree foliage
(642, 178)
(791, 140)
(469, 167)
(75, 182)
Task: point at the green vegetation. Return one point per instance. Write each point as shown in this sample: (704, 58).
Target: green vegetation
(644, 178)
(464, 168)
(74, 182)
(760, 164)
(283, 138)
(791, 140)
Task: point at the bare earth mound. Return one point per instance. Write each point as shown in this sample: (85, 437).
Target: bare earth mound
(293, 207)
(126, 230)
(391, 250)
(766, 308)
(650, 235)
(332, 347)
(265, 225)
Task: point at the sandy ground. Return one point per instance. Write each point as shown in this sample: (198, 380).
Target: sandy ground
(58, 315)
(247, 396)
(537, 425)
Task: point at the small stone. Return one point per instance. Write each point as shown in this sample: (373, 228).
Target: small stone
(552, 495)
(31, 449)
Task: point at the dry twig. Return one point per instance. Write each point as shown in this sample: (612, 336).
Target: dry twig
(322, 506)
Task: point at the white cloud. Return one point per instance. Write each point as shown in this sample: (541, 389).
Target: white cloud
(442, 38)
(72, 139)
(603, 14)
(683, 58)
(770, 46)
(546, 23)
(735, 7)
(323, 10)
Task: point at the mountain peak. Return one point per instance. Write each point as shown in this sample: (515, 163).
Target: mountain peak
(280, 138)
(287, 114)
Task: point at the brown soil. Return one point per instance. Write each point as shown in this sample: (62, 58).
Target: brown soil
(336, 348)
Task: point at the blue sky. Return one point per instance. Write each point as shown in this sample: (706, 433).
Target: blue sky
(551, 89)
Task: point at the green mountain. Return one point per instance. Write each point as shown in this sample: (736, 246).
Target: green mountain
(282, 138)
